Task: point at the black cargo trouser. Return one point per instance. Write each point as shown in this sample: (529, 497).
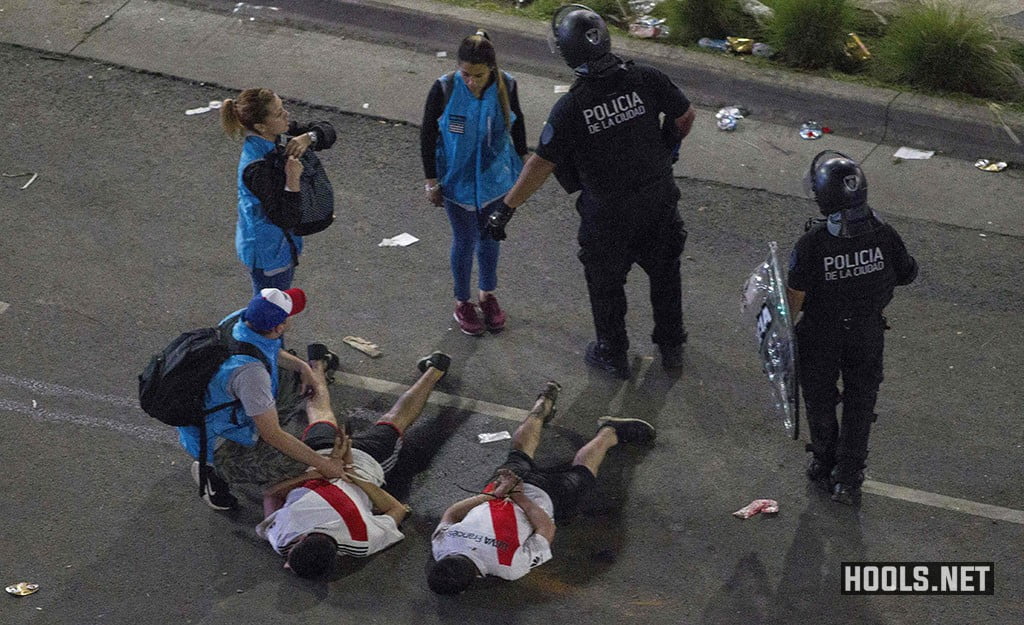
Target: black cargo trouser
(851, 349)
(644, 228)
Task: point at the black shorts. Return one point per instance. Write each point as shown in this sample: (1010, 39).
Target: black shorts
(381, 440)
(564, 486)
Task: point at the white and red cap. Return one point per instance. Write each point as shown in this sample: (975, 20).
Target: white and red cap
(271, 307)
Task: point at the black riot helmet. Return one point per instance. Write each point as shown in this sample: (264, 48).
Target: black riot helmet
(836, 182)
(579, 34)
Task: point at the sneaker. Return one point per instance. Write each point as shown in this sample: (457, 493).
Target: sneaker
(215, 491)
(468, 319)
(671, 356)
(629, 430)
(550, 392)
(438, 360)
(599, 355)
(494, 316)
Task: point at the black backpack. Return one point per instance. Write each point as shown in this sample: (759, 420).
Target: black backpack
(172, 388)
(266, 177)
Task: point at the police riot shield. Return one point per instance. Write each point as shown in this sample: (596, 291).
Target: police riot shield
(765, 307)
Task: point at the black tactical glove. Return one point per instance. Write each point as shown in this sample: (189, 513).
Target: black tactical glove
(495, 227)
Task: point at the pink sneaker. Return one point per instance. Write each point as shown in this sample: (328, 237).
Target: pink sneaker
(494, 316)
(468, 319)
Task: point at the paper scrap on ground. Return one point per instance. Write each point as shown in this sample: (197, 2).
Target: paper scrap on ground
(442, 54)
(913, 154)
(767, 506)
(490, 437)
(3, 307)
(358, 342)
(33, 175)
(561, 88)
(214, 104)
(401, 240)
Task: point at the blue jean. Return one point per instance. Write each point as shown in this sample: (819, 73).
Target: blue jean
(467, 238)
(262, 281)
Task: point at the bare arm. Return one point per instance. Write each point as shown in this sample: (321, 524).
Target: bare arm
(291, 362)
(270, 431)
(535, 173)
(458, 510)
(541, 522)
(382, 500)
(274, 497)
(684, 123)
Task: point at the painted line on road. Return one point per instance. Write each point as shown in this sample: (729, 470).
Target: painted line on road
(154, 434)
(56, 390)
(437, 398)
(942, 501)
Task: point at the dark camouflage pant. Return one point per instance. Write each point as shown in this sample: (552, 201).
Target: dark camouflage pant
(264, 464)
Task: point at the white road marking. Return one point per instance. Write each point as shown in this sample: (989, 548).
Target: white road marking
(56, 390)
(162, 434)
(942, 501)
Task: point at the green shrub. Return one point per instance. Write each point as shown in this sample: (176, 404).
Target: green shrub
(810, 33)
(689, 20)
(948, 48)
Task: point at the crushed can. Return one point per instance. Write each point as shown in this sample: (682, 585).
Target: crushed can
(740, 45)
(985, 164)
(855, 48)
(810, 130)
(22, 589)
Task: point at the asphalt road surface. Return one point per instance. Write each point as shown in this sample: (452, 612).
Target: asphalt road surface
(125, 239)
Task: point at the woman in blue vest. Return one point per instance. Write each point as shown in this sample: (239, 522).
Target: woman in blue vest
(270, 252)
(472, 141)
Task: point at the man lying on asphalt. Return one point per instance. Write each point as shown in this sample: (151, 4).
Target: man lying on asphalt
(311, 520)
(507, 530)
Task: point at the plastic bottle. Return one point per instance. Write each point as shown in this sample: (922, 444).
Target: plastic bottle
(714, 44)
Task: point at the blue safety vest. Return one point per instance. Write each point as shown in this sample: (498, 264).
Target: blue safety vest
(259, 243)
(476, 161)
(231, 422)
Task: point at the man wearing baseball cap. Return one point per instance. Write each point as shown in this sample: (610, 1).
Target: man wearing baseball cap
(247, 388)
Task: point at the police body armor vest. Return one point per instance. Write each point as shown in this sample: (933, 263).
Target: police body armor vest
(855, 277)
(621, 147)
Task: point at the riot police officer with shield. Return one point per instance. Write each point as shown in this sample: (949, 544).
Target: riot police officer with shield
(842, 274)
(606, 138)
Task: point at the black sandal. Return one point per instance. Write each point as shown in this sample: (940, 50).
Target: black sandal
(438, 360)
(319, 351)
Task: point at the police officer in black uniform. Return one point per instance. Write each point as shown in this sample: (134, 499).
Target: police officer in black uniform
(842, 273)
(606, 138)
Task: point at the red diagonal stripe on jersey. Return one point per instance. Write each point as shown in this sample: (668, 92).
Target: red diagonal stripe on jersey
(506, 528)
(342, 504)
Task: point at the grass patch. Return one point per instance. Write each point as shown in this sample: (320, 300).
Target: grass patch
(689, 20)
(946, 48)
(810, 33)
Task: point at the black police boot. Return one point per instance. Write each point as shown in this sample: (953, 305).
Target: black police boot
(600, 355)
(846, 487)
(819, 472)
(671, 356)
